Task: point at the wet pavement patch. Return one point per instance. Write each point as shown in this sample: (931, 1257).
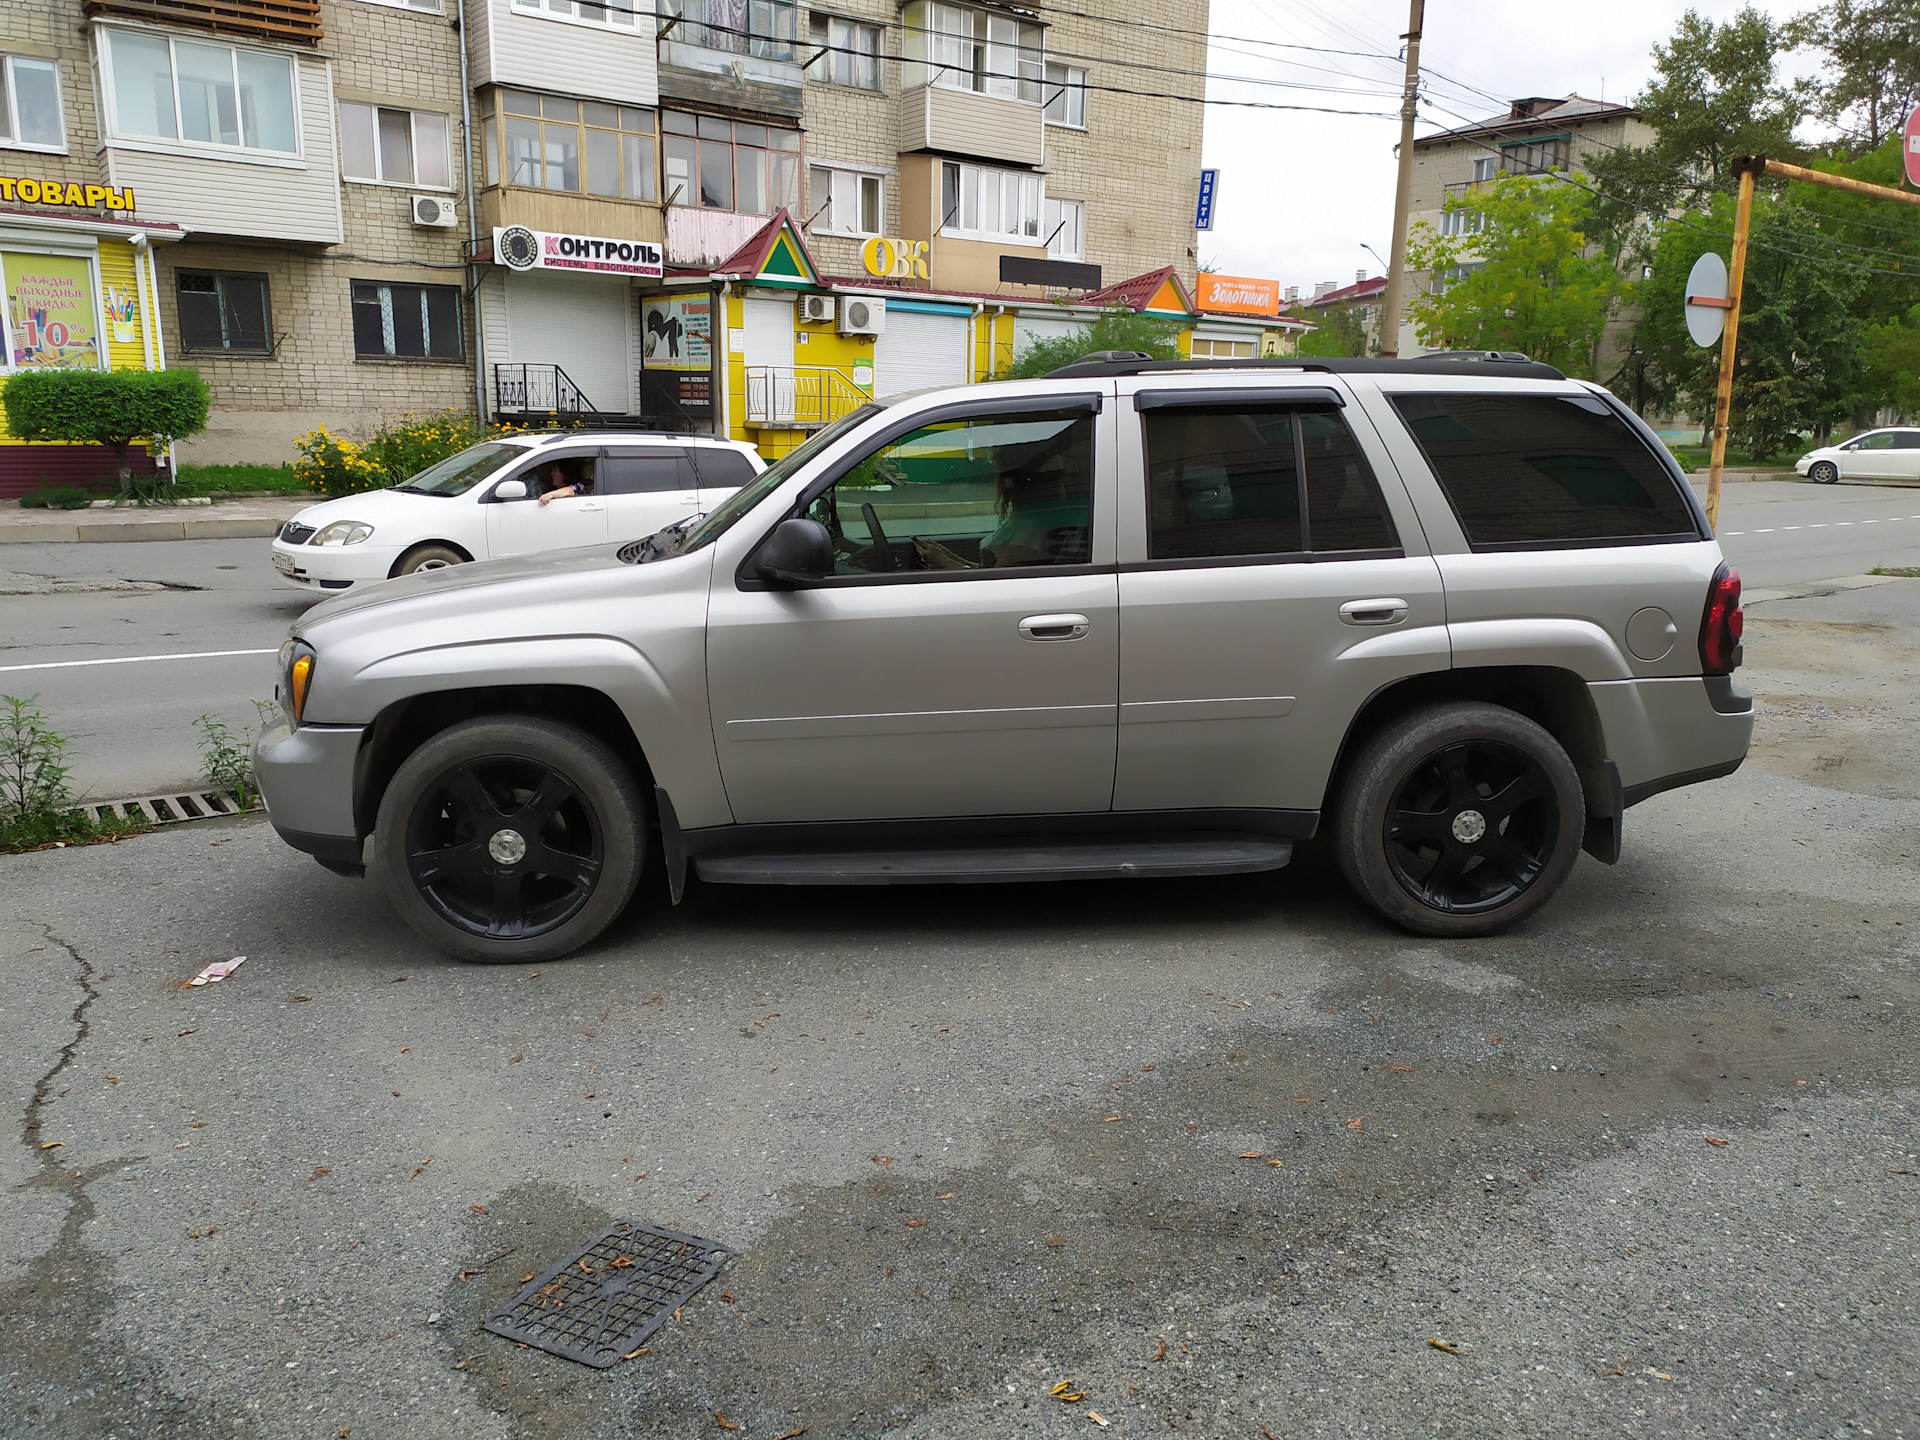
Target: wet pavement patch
(600, 1303)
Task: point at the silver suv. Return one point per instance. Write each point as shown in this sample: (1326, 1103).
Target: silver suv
(1134, 619)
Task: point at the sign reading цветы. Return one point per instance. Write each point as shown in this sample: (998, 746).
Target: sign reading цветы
(518, 248)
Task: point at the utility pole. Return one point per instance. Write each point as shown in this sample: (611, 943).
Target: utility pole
(1397, 270)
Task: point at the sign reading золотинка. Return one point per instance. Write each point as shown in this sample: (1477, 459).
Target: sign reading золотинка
(518, 248)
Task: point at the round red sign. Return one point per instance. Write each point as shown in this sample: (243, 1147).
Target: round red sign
(1911, 144)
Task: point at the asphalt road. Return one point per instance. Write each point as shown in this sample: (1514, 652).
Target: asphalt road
(970, 1143)
(133, 725)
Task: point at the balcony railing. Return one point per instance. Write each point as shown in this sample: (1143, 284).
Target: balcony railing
(802, 397)
(297, 21)
(539, 390)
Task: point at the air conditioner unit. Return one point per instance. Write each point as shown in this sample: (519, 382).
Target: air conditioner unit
(817, 309)
(860, 315)
(432, 210)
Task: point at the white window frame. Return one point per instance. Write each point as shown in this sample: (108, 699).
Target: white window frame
(1071, 87)
(585, 12)
(956, 47)
(956, 228)
(12, 117)
(1056, 211)
(820, 28)
(159, 143)
(91, 254)
(419, 7)
(854, 177)
(1485, 167)
(413, 147)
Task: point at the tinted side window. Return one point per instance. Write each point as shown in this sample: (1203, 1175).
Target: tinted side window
(1906, 440)
(645, 472)
(985, 493)
(1544, 470)
(722, 469)
(1225, 481)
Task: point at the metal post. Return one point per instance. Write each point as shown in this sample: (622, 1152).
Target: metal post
(1397, 269)
(473, 224)
(1723, 394)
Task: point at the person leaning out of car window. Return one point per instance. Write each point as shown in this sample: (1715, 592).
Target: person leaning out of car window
(563, 479)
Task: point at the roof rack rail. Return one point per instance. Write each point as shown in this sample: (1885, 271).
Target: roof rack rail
(1506, 364)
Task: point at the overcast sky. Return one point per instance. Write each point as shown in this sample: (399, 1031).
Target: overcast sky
(1301, 192)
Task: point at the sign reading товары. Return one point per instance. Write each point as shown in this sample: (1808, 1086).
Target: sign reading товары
(519, 248)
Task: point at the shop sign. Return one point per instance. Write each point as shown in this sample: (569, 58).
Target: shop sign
(52, 322)
(676, 357)
(1203, 206)
(895, 259)
(1237, 295)
(22, 190)
(519, 248)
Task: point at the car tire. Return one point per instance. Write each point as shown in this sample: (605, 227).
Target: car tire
(1459, 819)
(510, 840)
(1824, 472)
(426, 557)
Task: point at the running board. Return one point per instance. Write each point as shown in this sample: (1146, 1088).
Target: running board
(996, 864)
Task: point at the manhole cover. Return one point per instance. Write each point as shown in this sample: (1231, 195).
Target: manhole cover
(601, 1303)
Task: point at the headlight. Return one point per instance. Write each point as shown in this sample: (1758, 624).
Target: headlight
(342, 532)
(296, 676)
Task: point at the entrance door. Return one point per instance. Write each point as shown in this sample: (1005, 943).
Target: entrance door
(961, 660)
(770, 382)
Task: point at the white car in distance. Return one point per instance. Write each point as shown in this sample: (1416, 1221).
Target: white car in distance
(484, 504)
(1885, 456)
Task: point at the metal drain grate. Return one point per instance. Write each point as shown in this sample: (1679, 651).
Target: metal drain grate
(600, 1304)
(165, 809)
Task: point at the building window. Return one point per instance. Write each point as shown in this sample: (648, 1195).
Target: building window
(765, 29)
(221, 312)
(982, 204)
(585, 146)
(982, 50)
(1224, 349)
(850, 52)
(394, 147)
(30, 105)
(1462, 222)
(425, 7)
(1483, 168)
(1534, 157)
(718, 164)
(1065, 222)
(1445, 280)
(1067, 96)
(406, 321)
(845, 202)
(594, 12)
(193, 92)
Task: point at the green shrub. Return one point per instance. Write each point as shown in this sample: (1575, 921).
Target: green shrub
(108, 407)
(334, 466)
(239, 479)
(33, 781)
(1117, 329)
(226, 755)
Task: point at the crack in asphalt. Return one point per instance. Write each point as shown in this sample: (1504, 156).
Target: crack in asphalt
(82, 1028)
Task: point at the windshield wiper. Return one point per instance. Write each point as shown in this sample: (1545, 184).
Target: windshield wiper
(663, 542)
(437, 494)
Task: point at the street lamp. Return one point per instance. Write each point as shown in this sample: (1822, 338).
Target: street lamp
(1384, 267)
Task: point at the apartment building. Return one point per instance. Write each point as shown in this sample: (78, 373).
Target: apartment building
(1538, 135)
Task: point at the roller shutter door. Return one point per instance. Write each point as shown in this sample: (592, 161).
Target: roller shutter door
(579, 323)
(919, 351)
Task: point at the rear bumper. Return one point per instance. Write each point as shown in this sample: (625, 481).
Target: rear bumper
(306, 778)
(1662, 734)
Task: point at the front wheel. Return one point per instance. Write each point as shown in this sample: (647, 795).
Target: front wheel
(508, 839)
(1824, 472)
(1459, 820)
(426, 557)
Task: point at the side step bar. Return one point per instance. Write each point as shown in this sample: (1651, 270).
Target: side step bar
(1166, 856)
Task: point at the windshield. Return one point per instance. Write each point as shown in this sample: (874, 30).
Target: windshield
(458, 474)
(721, 519)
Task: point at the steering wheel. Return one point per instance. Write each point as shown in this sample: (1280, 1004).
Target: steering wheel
(882, 546)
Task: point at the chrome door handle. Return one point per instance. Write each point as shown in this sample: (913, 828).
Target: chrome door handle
(1055, 627)
(1373, 612)
(689, 499)
(590, 505)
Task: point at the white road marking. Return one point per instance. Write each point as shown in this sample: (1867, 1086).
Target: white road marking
(137, 659)
(1767, 531)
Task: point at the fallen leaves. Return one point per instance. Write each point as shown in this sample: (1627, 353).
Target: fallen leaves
(1054, 1242)
(1437, 1343)
(300, 999)
(703, 1196)
(636, 1354)
(321, 1172)
(1146, 1067)
(1716, 1140)
(466, 1275)
(516, 1059)
(1407, 1068)
(461, 1365)
(915, 1222)
(478, 1209)
(791, 1434)
(1108, 1120)
(1303, 1099)
(184, 1033)
(885, 1162)
(1276, 1164)
(1066, 1394)
(1249, 1155)
(948, 1196)
(643, 1174)
(113, 1079)
(621, 1262)
(53, 1145)
(1159, 1354)
(1358, 1122)
(720, 1419)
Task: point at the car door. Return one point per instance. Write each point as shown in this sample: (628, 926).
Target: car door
(722, 470)
(526, 527)
(1267, 589)
(961, 660)
(1906, 456)
(1870, 457)
(646, 487)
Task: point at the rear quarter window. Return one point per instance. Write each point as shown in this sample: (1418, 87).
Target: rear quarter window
(1545, 471)
(722, 469)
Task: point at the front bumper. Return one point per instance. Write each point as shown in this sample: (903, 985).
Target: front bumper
(306, 778)
(332, 569)
(1803, 465)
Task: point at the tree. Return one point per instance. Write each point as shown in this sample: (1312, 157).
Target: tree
(1116, 329)
(1872, 75)
(1340, 330)
(1520, 278)
(1893, 361)
(106, 407)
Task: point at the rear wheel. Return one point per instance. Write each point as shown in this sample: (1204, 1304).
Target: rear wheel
(426, 557)
(1823, 472)
(1459, 819)
(510, 839)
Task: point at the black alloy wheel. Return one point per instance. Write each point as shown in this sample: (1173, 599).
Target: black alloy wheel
(510, 839)
(1459, 819)
(1472, 828)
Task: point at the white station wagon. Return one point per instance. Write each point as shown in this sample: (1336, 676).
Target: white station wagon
(485, 504)
(1889, 456)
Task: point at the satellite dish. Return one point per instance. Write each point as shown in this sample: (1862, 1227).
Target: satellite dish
(1707, 299)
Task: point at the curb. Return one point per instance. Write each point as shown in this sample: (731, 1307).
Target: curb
(253, 528)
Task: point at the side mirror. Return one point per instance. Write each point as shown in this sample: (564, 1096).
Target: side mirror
(510, 490)
(797, 551)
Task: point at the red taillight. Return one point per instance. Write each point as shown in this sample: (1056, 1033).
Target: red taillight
(1722, 623)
